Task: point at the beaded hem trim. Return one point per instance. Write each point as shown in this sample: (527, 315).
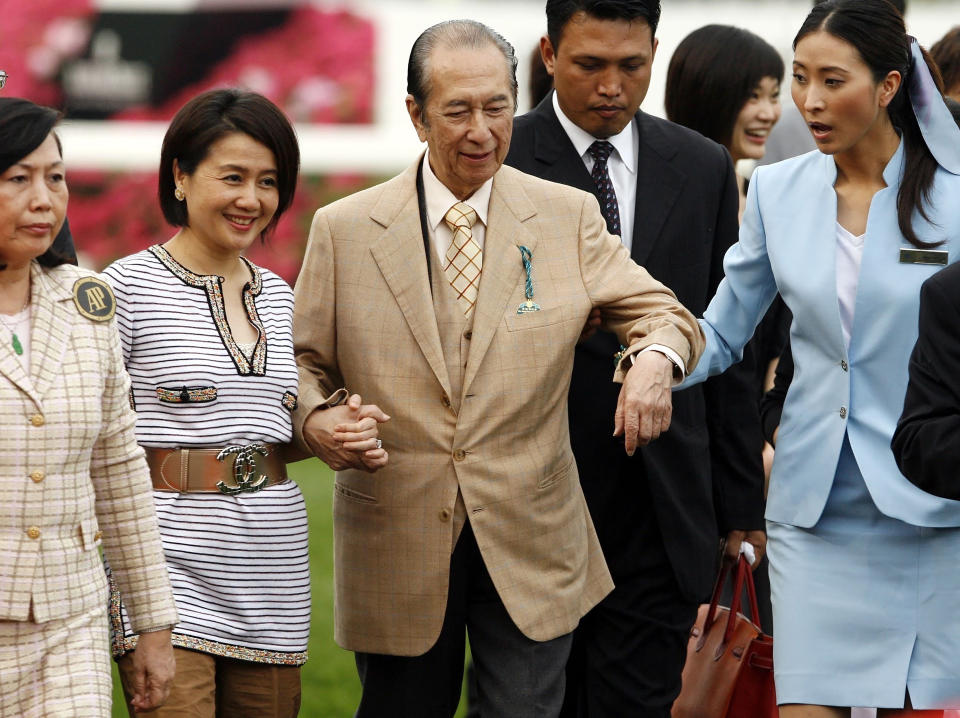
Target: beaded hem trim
(213, 286)
(121, 644)
(187, 394)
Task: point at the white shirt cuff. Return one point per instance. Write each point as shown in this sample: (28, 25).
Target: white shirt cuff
(669, 354)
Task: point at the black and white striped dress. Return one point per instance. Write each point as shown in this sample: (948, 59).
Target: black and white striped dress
(238, 564)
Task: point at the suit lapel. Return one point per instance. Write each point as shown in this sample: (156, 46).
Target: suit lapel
(399, 254)
(502, 263)
(52, 325)
(553, 148)
(659, 184)
(813, 237)
(12, 369)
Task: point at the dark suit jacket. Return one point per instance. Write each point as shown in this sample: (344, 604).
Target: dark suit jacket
(704, 476)
(926, 443)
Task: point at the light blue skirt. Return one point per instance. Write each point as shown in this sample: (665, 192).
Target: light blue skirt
(865, 606)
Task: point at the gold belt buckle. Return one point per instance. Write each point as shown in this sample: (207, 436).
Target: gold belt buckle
(244, 469)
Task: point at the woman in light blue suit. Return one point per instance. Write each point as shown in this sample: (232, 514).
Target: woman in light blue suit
(865, 567)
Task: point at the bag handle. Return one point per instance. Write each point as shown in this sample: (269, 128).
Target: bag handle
(743, 575)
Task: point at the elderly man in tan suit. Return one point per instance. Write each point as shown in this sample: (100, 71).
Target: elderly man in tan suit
(453, 296)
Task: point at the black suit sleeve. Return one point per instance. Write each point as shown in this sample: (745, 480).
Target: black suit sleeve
(733, 417)
(926, 442)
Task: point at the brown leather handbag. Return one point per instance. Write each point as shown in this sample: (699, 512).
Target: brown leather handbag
(729, 668)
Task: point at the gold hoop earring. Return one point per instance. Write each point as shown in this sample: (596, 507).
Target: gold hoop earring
(178, 193)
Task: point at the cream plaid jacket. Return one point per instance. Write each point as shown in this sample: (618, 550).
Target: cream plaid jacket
(364, 319)
(71, 473)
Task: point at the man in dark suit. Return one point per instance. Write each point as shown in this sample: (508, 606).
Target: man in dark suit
(925, 443)
(671, 195)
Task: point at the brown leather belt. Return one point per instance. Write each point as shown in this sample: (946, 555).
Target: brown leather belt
(231, 470)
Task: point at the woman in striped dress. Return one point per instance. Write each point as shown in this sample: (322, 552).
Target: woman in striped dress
(207, 340)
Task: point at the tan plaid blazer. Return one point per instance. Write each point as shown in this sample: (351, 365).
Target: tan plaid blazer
(71, 471)
(364, 319)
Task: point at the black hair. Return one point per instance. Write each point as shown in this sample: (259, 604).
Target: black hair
(212, 115)
(712, 74)
(946, 53)
(559, 13)
(875, 29)
(900, 5)
(954, 108)
(461, 34)
(540, 81)
(23, 128)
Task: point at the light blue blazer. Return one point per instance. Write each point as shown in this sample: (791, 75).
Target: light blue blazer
(788, 243)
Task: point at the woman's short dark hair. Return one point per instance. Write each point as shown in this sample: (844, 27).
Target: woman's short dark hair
(23, 128)
(212, 115)
(711, 76)
(876, 31)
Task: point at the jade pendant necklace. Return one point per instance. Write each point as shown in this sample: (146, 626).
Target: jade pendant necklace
(15, 340)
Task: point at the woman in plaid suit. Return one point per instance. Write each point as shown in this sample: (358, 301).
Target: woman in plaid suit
(71, 473)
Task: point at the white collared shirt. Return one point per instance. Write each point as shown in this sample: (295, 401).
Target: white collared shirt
(438, 201)
(621, 165)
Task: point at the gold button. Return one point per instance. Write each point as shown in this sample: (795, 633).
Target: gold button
(98, 535)
(843, 412)
(37, 419)
(459, 455)
(444, 514)
(37, 476)
(33, 532)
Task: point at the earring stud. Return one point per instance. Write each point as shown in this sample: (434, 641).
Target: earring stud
(178, 193)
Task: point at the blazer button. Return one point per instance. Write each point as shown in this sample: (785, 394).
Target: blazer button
(37, 420)
(33, 532)
(843, 412)
(459, 455)
(37, 476)
(468, 335)
(843, 364)
(444, 514)
(445, 400)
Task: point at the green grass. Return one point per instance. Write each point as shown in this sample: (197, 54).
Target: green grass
(331, 688)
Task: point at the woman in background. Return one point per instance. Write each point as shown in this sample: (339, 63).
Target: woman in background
(724, 82)
(71, 473)
(207, 340)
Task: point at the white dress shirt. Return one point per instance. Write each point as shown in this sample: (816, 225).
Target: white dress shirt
(849, 256)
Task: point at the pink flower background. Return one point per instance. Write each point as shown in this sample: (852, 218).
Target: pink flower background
(318, 67)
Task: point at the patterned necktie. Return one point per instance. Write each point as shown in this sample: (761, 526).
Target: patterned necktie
(464, 257)
(600, 150)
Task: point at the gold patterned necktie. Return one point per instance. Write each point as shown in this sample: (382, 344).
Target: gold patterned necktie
(464, 259)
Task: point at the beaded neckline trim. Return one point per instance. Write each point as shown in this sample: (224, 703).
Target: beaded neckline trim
(212, 284)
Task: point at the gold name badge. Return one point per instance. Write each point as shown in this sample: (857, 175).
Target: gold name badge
(924, 256)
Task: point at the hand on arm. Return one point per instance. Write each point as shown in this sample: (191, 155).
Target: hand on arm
(345, 436)
(153, 670)
(645, 405)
